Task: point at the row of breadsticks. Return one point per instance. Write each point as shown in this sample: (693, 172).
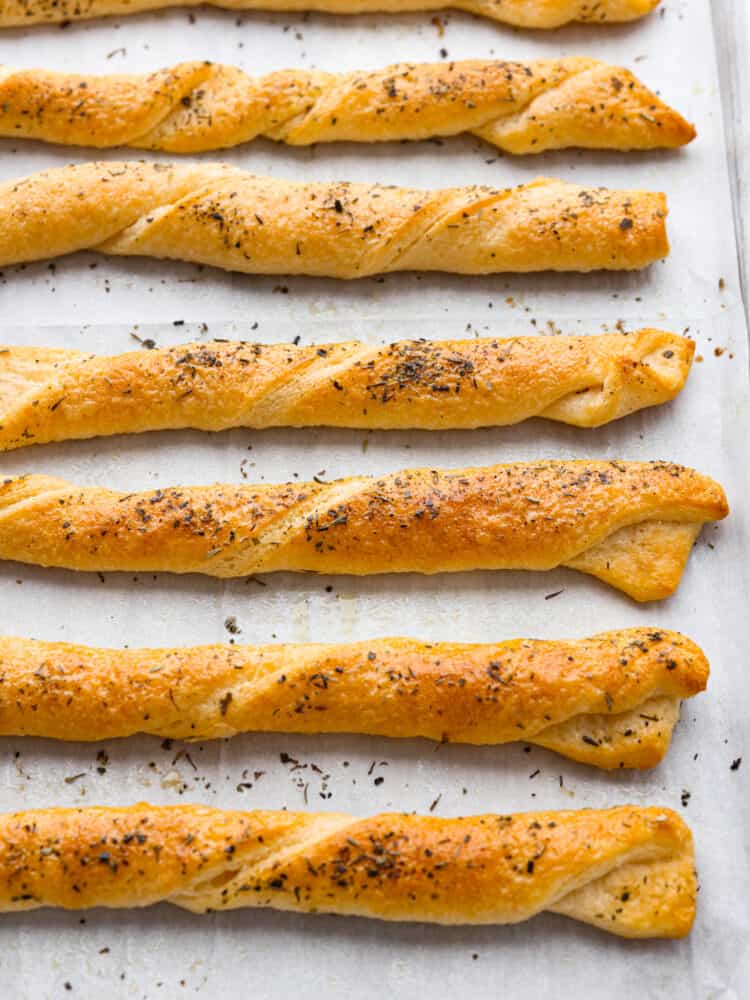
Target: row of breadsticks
(611, 700)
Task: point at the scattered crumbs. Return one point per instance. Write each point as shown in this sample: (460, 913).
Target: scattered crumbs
(735, 765)
(548, 597)
(685, 797)
(230, 624)
(535, 773)
(148, 343)
(434, 803)
(722, 284)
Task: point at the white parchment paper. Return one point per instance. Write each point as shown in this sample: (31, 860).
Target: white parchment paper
(97, 304)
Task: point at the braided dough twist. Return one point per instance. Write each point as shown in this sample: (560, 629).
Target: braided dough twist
(212, 213)
(522, 13)
(197, 106)
(54, 395)
(611, 700)
(628, 870)
(631, 524)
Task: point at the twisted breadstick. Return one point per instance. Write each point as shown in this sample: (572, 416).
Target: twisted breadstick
(522, 13)
(215, 214)
(611, 700)
(54, 395)
(631, 524)
(519, 107)
(628, 870)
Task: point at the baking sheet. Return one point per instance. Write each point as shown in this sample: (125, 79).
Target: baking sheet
(162, 952)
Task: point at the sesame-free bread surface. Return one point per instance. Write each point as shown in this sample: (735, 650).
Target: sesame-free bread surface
(519, 107)
(627, 870)
(632, 524)
(52, 394)
(521, 13)
(213, 213)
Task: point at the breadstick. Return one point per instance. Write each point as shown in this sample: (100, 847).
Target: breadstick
(628, 870)
(197, 106)
(212, 213)
(55, 395)
(631, 524)
(521, 13)
(611, 700)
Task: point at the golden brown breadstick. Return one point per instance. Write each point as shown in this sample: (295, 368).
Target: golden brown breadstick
(54, 395)
(628, 870)
(632, 524)
(197, 106)
(212, 213)
(522, 13)
(611, 700)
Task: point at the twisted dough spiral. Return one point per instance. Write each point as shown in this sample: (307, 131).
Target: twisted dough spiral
(631, 524)
(212, 213)
(611, 700)
(54, 395)
(519, 107)
(522, 13)
(628, 870)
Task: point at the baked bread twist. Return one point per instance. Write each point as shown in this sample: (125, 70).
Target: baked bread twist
(631, 524)
(628, 870)
(212, 213)
(197, 106)
(54, 395)
(522, 13)
(611, 700)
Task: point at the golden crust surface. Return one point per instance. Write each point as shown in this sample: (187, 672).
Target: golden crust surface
(632, 524)
(628, 870)
(212, 213)
(54, 395)
(198, 106)
(610, 700)
(522, 13)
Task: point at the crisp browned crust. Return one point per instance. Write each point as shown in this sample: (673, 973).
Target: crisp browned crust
(197, 106)
(53, 395)
(631, 524)
(212, 213)
(611, 700)
(522, 13)
(628, 870)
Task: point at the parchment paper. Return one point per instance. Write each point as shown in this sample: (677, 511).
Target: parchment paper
(94, 303)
